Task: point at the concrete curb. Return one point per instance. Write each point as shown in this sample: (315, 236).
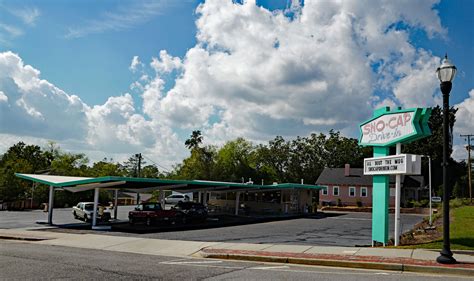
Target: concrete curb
(343, 263)
(23, 238)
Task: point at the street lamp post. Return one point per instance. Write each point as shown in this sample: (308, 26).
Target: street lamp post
(446, 73)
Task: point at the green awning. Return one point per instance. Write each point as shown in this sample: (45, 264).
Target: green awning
(76, 184)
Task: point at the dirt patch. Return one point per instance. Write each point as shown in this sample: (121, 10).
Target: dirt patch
(423, 233)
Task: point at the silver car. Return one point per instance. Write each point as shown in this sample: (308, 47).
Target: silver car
(176, 198)
(84, 211)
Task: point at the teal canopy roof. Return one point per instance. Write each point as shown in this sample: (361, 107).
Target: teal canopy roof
(76, 184)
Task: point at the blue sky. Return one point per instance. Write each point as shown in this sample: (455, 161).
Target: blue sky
(205, 80)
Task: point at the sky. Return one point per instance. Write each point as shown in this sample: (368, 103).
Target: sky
(113, 78)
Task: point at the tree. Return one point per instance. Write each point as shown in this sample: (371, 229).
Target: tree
(200, 165)
(20, 158)
(194, 140)
(151, 171)
(131, 165)
(236, 160)
(433, 146)
(106, 168)
(274, 159)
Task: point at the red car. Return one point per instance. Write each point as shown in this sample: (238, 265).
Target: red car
(151, 213)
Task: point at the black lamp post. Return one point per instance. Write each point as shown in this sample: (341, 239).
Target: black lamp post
(446, 74)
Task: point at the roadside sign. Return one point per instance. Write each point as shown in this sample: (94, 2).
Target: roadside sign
(436, 199)
(409, 164)
(391, 127)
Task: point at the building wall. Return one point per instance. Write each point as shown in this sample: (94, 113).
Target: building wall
(347, 200)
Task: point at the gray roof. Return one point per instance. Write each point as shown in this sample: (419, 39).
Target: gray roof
(336, 176)
(331, 176)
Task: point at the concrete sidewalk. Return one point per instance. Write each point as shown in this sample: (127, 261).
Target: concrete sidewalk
(416, 260)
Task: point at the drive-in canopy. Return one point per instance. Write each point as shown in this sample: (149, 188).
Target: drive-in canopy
(77, 184)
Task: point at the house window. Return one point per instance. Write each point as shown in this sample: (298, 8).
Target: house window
(352, 191)
(335, 190)
(363, 192)
(324, 191)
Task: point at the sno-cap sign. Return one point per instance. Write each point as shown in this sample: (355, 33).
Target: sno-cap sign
(387, 127)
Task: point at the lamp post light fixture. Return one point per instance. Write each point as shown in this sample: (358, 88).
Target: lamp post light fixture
(446, 73)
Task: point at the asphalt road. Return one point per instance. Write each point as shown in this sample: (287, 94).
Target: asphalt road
(22, 260)
(335, 229)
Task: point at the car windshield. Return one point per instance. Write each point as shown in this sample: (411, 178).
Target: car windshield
(151, 207)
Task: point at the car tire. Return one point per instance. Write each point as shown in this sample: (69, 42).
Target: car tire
(75, 215)
(131, 221)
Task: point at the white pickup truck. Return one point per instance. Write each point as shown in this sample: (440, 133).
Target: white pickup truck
(85, 210)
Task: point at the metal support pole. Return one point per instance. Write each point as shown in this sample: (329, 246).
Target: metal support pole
(469, 165)
(115, 203)
(199, 197)
(204, 201)
(96, 202)
(397, 199)
(429, 180)
(50, 205)
(446, 256)
(162, 198)
(237, 199)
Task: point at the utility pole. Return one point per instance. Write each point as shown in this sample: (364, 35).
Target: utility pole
(469, 168)
(139, 166)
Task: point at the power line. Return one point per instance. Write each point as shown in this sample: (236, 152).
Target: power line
(164, 168)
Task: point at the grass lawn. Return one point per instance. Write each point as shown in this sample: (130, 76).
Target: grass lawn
(461, 231)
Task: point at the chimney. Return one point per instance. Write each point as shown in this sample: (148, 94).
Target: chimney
(347, 170)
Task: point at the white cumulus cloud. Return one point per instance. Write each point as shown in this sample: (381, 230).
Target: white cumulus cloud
(253, 73)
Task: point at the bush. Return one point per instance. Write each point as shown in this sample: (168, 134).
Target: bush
(425, 203)
(339, 202)
(416, 204)
(359, 203)
(458, 202)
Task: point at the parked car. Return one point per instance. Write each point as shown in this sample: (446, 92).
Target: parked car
(85, 210)
(176, 198)
(192, 211)
(150, 213)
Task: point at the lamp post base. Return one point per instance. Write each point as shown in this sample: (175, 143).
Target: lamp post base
(446, 257)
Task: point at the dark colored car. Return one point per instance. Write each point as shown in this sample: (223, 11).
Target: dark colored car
(151, 213)
(192, 211)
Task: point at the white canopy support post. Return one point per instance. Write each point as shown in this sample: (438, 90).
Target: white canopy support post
(237, 199)
(50, 205)
(397, 199)
(199, 197)
(162, 198)
(96, 202)
(205, 198)
(115, 203)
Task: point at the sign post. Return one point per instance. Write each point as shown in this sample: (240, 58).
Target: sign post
(385, 129)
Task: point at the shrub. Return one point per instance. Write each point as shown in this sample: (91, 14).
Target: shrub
(425, 203)
(359, 203)
(339, 202)
(416, 204)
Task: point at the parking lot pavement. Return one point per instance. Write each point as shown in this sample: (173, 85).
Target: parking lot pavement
(341, 229)
(61, 216)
